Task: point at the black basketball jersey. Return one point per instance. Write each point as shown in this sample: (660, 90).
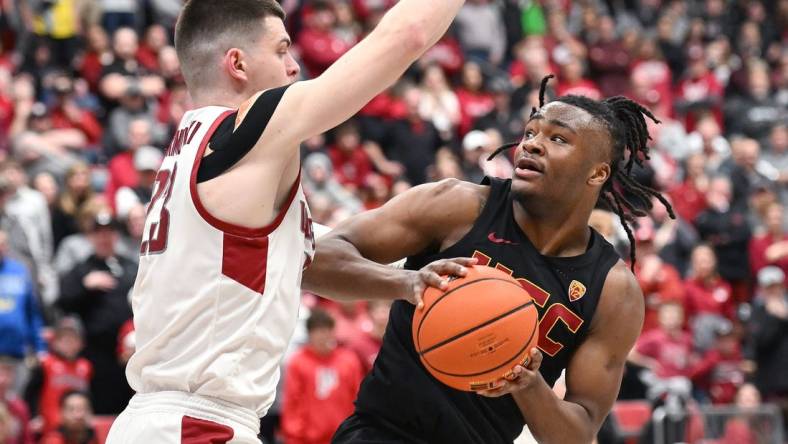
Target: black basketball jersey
(400, 395)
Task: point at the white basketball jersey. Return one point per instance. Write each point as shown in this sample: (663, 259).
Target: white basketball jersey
(214, 304)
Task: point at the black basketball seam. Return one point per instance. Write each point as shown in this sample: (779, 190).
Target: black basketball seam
(473, 329)
(424, 316)
(492, 369)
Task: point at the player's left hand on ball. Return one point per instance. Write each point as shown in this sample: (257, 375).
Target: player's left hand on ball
(434, 275)
(523, 378)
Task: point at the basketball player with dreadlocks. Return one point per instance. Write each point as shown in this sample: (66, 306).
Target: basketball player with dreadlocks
(575, 152)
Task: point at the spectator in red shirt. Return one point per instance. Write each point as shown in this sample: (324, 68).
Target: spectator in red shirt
(659, 280)
(59, 372)
(666, 350)
(367, 345)
(447, 54)
(572, 81)
(350, 318)
(66, 114)
(609, 59)
(771, 247)
(699, 92)
(321, 382)
(148, 52)
(320, 46)
(475, 102)
(121, 167)
(75, 426)
(351, 163)
(707, 293)
(97, 56)
(652, 79)
(20, 431)
(720, 371)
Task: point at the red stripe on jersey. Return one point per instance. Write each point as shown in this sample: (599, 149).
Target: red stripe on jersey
(200, 431)
(244, 260)
(228, 227)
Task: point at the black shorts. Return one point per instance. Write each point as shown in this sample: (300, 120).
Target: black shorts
(358, 429)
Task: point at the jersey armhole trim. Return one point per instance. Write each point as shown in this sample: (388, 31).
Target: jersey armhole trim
(227, 227)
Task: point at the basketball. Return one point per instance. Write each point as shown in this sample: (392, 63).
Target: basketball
(474, 333)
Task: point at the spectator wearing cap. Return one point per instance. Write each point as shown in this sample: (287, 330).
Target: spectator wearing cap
(724, 227)
(319, 182)
(20, 316)
(147, 161)
(61, 370)
(19, 429)
(133, 106)
(771, 246)
(504, 118)
(768, 328)
(720, 371)
(96, 290)
(659, 280)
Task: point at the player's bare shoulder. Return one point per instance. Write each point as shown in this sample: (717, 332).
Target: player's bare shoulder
(621, 305)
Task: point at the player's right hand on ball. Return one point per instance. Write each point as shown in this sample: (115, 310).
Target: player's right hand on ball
(435, 275)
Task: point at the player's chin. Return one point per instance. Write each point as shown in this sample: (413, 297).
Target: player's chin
(527, 187)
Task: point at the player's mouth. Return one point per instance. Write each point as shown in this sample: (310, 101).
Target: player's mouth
(528, 168)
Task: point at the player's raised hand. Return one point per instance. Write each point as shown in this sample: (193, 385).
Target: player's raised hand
(522, 377)
(435, 275)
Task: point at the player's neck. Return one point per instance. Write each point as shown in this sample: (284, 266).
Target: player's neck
(555, 233)
(218, 97)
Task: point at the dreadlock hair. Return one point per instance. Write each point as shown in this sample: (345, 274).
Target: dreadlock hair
(625, 121)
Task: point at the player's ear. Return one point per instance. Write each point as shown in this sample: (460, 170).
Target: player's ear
(235, 64)
(599, 174)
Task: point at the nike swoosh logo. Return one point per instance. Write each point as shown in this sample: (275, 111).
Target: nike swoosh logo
(498, 241)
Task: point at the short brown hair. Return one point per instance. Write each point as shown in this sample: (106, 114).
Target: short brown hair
(228, 23)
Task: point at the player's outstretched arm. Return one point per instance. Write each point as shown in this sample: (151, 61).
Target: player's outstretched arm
(402, 36)
(351, 261)
(593, 377)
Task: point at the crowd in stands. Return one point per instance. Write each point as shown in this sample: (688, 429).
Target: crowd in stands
(91, 94)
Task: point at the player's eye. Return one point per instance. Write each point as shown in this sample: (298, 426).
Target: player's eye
(558, 139)
(528, 134)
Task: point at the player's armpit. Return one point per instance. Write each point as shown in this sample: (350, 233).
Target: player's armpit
(593, 377)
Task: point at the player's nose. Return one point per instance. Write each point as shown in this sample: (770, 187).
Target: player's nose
(533, 146)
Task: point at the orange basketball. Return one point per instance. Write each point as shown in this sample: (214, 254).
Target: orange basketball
(475, 332)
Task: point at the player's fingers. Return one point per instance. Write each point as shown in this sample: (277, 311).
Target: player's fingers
(448, 268)
(466, 261)
(434, 279)
(536, 359)
(418, 292)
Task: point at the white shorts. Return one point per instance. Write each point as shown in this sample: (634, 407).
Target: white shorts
(183, 418)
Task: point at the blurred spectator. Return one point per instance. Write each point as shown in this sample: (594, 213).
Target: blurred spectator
(134, 106)
(674, 238)
(320, 44)
(318, 180)
(757, 111)
(97, 56)
(77, 247)
(68, 114)
(666, 350)
(367, 345)
(481, 31)
(148, 52)
(475, 101)
(75, 425)
(707, 140)
(707, 293)
(747, 428)
(689, 198)
(351, 163)
(131, 238)
(118, 13)
(504, 118)
(58, 22)
(699, 91)
(18, 430)
(77, 194)
(321, 382)
(412, 141)
(720, 371)
(608, 59)
(768, 328)
(123, 71)
(351, 319)
(447, 54)
(97, 291)
(725, 228)
(439, 104)
(121, 167)
(748, 172)
(651, 79)
(572, 81)
(659, 280)
(147, 161)
(20, 315)
(58, 372)
(771, 246)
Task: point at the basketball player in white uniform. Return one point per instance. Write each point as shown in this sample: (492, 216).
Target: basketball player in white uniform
(228, 231)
